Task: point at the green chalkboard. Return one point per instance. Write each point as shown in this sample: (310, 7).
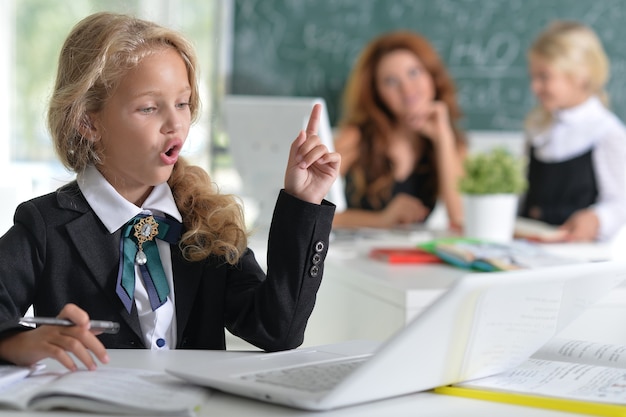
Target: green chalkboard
(307, 47)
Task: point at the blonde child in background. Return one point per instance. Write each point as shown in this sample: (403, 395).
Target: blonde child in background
(576, 145)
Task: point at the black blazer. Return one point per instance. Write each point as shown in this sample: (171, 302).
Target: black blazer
(58, 252)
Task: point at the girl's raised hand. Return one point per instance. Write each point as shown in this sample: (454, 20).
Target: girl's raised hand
(311, 168)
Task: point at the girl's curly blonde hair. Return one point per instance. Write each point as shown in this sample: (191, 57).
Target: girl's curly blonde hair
(97, 54)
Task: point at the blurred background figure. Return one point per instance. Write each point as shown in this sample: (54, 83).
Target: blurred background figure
(401, 148)
(576, 145)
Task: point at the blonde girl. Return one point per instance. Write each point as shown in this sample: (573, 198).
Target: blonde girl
(141, 237)
(576, 145)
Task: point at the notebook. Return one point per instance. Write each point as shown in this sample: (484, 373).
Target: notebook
(260, 131)
(484, 324)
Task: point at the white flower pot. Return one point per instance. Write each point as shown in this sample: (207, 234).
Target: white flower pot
(490, 217)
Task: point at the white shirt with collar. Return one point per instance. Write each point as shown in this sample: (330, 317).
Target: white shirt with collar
(575, 131)
(159, 326)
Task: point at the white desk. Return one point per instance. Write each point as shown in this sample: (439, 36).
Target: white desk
(365, 299)
(381, 298)
(361, 298)
(611, 312)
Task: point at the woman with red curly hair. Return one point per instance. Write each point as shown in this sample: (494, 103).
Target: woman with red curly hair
(400, 146)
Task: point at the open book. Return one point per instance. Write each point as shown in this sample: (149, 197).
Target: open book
(106, 390)
(571, 375)
(537, 231)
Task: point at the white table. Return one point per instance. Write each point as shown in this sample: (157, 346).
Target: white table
(361, 298)
(611, 312)
(365, 299)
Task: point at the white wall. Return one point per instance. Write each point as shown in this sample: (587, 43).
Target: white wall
(480, 141)
(6, 59)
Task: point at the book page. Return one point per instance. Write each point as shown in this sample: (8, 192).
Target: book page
(124, 390)
(559, 379)
(18, 395)
(509, 326)
(9, 374)
(580, 351)
(538, 231)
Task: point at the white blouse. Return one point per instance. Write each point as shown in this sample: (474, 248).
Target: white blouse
(159, 326)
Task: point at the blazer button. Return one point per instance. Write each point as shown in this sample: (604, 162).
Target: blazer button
(317, 258)
(315, 270)
(319, 246)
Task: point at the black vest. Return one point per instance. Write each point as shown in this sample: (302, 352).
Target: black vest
(556, 190)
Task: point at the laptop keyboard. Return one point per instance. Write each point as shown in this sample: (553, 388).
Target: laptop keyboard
(312, 378)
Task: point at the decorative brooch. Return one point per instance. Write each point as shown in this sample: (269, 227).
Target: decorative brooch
(146, 229)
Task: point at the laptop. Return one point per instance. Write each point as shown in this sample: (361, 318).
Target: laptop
(260, 131)
(484, 324)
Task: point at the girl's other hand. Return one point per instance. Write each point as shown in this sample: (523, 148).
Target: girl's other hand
(434, 122)
(403, 209)
(582, 226)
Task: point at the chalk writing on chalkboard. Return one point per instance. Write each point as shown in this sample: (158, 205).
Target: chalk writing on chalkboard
(307, 47)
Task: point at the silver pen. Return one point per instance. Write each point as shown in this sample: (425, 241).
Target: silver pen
(96, 325)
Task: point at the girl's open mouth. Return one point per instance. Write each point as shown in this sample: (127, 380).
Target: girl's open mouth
(170, 155)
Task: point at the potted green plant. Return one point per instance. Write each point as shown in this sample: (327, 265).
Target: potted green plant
(491, 187)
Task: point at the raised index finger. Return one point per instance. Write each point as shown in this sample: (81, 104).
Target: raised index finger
(314, 120)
